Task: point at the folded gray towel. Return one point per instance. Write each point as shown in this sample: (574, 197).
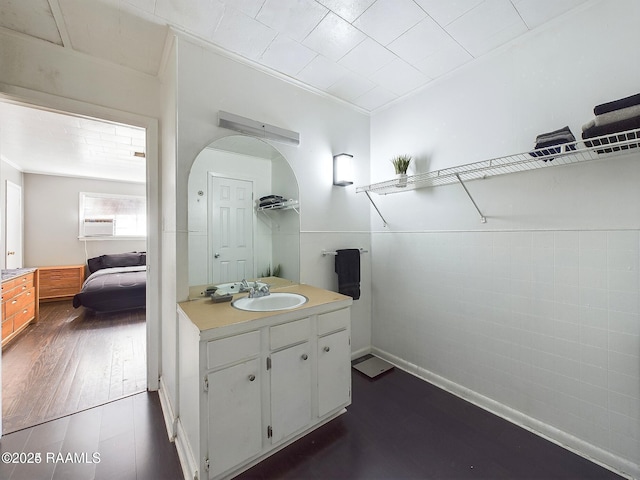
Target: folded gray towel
(617, 115)
(562, 133)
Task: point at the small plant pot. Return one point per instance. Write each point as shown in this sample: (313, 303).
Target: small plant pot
(401, 180)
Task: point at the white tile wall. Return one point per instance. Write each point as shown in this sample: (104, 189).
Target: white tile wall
(544, 322)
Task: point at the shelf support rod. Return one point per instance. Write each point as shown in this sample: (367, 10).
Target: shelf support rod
(483, 219)
(384, 222)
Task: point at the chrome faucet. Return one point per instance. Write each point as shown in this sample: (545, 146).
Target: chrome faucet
(255, 292)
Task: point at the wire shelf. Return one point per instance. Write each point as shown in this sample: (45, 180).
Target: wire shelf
(286, 205)
(576, 152)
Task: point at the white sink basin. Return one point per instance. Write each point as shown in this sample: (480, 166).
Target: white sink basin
(234, 287)
(270, 303)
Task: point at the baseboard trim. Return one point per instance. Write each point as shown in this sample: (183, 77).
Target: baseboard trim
(360, 352)
(576, 445)
(167, 411)
(185, 454)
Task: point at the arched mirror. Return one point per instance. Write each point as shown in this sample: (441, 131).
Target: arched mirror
(244, 219)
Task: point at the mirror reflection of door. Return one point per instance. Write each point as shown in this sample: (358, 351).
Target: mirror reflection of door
(13, 227)
(232, 229)
(276, 233)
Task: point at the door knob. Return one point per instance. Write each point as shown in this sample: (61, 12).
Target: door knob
(216, 255)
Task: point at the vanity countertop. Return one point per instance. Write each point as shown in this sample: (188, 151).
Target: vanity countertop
(205, 314)
(15, 272)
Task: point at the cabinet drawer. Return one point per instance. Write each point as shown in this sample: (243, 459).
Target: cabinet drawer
(25, 281)
(289, 333)
(19, 302)
(8, 285)
(333, 321)
(24, 316)
(67, 275)
(232, 349)
(58, 290)
(14, 287)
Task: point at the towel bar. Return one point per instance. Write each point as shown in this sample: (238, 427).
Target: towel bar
(328, 252)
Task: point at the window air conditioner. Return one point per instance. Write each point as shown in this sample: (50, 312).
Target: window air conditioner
(94, 227)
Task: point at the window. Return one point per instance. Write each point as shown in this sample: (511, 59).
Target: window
(115, 216)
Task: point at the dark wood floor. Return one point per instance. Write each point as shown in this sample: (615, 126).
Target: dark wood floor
(400, 427)
(127, 436)
(71, 360)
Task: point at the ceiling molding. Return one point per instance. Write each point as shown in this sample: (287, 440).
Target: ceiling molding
(58, 17)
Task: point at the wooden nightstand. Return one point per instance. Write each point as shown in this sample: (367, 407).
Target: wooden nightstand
(60, 282)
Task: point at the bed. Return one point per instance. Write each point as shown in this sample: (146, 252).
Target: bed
(116, 282)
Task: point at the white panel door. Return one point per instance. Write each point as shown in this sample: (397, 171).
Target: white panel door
(235, 416)
(290, 390)
(13, 227)
(231, 229)
(334, 372)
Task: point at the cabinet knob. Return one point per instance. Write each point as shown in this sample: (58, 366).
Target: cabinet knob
(326, 349)
(216, 255)
(252, 377)
(304, 356)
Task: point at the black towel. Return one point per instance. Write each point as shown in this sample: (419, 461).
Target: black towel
(617, 104)
(348, 270)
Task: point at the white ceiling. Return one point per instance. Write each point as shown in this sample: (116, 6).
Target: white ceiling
(39, 141)
(365, 52)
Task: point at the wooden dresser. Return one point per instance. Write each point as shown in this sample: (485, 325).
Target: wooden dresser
(60, 282)
(19, 301)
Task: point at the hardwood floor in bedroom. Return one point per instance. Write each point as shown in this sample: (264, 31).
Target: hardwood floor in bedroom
(69, 361)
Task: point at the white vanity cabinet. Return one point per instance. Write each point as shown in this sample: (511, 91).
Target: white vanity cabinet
(259, 386)
(334, 361)
(289, 367)
(233, 388)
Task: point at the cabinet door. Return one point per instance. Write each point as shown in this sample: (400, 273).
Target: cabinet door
(334, 372)
(290, 390)
(235, 416)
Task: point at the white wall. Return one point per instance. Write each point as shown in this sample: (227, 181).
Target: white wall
(169, 244)
(51, 217)
(331, 217)
(535, 314)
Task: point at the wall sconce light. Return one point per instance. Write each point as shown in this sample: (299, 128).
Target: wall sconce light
(342, 169)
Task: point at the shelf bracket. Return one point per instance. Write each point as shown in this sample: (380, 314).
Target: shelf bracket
(384, 222)
(483, 219)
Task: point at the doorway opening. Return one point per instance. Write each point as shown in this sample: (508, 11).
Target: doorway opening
(70, 359)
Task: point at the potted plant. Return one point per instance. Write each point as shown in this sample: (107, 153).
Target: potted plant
(401, 163)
